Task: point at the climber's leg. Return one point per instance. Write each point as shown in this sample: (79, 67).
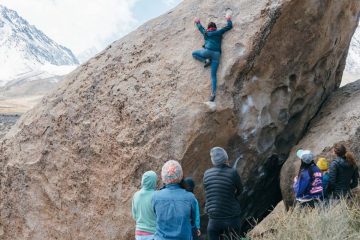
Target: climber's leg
(214, 67)
(201, 55)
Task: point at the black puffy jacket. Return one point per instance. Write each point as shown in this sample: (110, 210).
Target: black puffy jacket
(222, 186)
(342, 177)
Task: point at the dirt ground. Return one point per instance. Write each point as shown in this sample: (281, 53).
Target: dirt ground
(18, 104)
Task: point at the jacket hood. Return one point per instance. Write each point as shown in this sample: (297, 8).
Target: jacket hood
(148, 181)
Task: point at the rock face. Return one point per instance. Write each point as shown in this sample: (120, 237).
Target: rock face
(70, 167)
(338, 121)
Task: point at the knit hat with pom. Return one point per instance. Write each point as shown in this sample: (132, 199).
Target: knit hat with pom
(171, 172)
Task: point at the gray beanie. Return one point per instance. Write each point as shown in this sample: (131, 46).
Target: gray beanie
(218, 156)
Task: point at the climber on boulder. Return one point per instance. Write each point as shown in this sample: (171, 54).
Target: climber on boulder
(211, 52)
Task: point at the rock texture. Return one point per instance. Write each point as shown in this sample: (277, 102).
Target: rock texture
(338, 121)
(70, 167)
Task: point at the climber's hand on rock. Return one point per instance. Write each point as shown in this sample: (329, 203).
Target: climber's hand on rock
(198, 232)
(197, 20)
(228, 16)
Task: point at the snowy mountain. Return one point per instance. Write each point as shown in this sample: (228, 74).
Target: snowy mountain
(352, 69)
(27, 53)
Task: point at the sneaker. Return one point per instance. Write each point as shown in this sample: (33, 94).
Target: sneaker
(207, 63)
(212, 98)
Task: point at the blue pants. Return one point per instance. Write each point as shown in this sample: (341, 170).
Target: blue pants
(214, 56)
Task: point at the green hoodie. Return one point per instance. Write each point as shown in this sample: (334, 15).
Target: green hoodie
(142, 210)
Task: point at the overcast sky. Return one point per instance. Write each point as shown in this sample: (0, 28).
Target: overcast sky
(85, 24)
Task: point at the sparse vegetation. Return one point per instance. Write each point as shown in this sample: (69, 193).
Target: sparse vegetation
(333, 221)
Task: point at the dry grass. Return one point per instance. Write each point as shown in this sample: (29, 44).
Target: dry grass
(333, 221)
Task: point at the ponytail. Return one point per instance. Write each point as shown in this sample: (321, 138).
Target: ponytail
(341, 151)
(349, 156)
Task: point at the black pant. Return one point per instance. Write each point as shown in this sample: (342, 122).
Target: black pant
(229, 227)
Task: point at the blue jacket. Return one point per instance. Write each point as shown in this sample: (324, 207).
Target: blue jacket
(309, 187)
(175, 209)
(213, 38)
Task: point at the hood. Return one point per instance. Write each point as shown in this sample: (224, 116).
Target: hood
(148, 181)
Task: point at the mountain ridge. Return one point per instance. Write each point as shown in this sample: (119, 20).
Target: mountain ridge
(25, 48)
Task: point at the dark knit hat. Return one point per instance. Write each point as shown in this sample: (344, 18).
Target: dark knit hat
(189, 184)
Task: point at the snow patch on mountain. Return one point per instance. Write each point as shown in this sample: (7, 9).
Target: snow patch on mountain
(27, 51)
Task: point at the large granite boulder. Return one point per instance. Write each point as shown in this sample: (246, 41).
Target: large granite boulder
(71, 165)
(338, 121)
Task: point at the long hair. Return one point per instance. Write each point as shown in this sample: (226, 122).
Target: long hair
(305, 166)
(341, 151)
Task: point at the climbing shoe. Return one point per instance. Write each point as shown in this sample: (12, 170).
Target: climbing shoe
(212, 98)
(207, 63)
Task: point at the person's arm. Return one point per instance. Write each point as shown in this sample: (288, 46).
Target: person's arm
(355, 179)
(153, 202)
(194, 214)
(303, 183)
(133, 210)
(296, 185)
(197, 217)
(227, 27)
(332, 174)
(237, 181)
(199, 26)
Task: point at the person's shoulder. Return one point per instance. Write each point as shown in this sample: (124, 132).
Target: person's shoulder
(335, 162)
(136, 194)
(189, 195)
(210, 170)
(316, 168)
(159, 192)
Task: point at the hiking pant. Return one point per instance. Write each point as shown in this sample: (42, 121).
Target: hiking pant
(230, 227)
(214, 56)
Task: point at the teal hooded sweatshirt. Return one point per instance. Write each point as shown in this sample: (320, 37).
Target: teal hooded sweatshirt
(142, 210)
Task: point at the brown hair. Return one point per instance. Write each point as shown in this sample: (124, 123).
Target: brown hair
(212, 25)
(340, 151)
